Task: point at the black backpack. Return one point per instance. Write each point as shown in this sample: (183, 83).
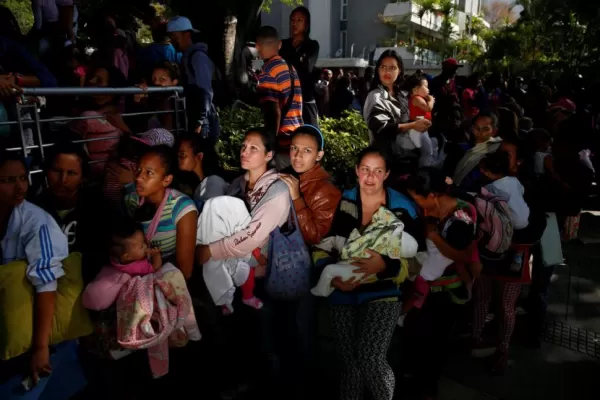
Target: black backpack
(219, 86)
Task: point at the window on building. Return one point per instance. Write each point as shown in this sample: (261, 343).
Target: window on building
(343, 42)
(344, 15)
(462, 5)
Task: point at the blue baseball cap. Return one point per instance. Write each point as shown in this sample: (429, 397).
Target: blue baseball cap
(180, 24)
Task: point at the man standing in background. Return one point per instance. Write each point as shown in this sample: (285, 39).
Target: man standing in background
(279, 93)
(198, 71)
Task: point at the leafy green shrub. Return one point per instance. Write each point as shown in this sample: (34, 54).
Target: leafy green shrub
(21, 9)
(234, 123)
(344, 139)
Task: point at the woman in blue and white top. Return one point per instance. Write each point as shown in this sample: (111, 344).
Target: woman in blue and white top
(29, 233)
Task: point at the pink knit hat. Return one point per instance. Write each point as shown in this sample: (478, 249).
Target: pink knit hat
(159, 136)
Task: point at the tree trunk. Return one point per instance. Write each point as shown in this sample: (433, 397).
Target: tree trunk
(229, 45)
(225, 30)
(247, 13)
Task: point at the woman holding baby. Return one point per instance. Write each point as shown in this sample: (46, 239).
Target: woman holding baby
(365, 310)
(448, 268)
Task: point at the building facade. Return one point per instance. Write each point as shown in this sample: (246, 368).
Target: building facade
(322, 14)
(355, 28)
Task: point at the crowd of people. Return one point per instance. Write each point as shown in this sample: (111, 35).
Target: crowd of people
(192, 281)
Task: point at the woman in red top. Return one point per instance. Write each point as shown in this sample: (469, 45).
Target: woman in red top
(421, 102)
(469, 97)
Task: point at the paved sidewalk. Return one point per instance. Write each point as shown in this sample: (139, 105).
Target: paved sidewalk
(555, 372)
(452, 390)
(551, 373)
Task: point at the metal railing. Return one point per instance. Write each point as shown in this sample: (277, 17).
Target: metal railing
(92, 91)
(23, 108)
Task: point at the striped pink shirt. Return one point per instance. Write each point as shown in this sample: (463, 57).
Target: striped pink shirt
(99, 151)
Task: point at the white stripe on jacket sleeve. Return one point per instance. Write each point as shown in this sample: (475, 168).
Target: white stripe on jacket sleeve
(45, 250)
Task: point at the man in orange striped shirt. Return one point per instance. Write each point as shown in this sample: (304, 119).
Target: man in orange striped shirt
(279, 91)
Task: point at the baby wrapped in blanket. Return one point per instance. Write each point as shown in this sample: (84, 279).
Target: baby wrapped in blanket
(385, 235)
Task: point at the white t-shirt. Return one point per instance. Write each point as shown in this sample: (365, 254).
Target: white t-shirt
(433, 263)
(511, 190)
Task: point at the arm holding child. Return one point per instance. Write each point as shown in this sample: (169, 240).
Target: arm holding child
(155, 258)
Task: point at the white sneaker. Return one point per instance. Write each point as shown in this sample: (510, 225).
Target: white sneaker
(401, 320)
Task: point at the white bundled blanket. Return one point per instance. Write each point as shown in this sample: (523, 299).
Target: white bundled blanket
(385, 235)
(222, 217)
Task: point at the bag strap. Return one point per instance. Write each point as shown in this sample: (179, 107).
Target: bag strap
(292, 216)
(190, 65)
(268, 194)
(216, 76)
(269, 256)
(156, 220)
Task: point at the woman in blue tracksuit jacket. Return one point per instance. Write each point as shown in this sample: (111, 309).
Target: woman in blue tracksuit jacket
(29, 233)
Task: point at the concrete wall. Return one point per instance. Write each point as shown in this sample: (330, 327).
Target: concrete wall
(322, 25)
(334, 26)
(461, 20)
(278, 18)
(320, 14)
(364, 25)
(473, 7)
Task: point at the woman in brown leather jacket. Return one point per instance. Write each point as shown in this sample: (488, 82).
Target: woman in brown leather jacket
(315, 200)
(315, 197)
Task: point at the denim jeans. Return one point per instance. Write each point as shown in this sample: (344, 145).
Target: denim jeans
(210, 126)
(213, 124)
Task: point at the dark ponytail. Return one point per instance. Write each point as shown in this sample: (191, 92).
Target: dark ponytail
(428, 181)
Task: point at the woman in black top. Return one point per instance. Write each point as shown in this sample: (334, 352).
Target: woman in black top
(78, 210)
(302, 53)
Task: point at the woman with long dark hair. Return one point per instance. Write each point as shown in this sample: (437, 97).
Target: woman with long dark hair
(364, 313)
(153, 200)
(428, 329)
(196, 156)
(302, 52)
(78, 209)
(28, 233)
(386, 112)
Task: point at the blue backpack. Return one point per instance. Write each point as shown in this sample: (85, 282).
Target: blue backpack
(289, 263)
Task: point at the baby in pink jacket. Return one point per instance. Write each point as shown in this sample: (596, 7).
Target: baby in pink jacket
(130, 256)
